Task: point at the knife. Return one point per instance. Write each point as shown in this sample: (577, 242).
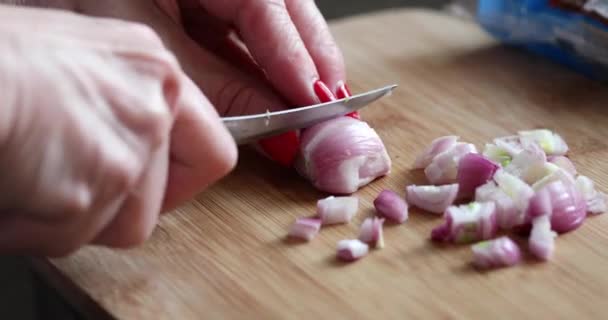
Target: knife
(246, 129)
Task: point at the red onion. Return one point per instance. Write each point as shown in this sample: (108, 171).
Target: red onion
(391, 206)
(596, 201)
(351, 250)
(444, 167)
(474, 170)
(341, 155)
(528, 164)
(507, 214)
(542, 240)
(305, 228)
(540, 204)
(371, 232)
(555, 173)
(432, 198)
(437, 146)
(497, 154)
(569, 206)
(515, 188)
(467, 223)
(500, 252)
(334, 210)
(552, 143)
(564, 163)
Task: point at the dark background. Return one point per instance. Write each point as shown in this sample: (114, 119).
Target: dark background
(24, 296)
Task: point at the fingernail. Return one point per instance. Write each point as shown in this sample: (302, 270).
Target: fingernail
(283, 148)
(342, 91)
(323, 92)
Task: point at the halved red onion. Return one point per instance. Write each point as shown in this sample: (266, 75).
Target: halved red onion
(332, 210)
(474, 170)
(434, 199)
(569, 206)
(542, 240)
(390, 205)
(444, 167)
(497, 253)
(305, 228)
(597, 202)
(564, 163)
(371, 232)
(467, 223)
(528, 164)
(341, 155)
(507, 215)
(351, 250)
(552, 143)
(436, 147)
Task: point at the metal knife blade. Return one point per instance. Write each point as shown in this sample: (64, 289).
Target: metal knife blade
(245, 129)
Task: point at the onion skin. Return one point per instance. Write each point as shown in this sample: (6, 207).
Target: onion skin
(390, 205)
(437, 146)
(334, 210)
(305, 228)
(435, 199)
(341, 155)
(467, 223)
(497, 253)
(351, 250)
(474, 170)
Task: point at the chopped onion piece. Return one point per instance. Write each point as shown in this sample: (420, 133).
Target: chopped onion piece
(528, 164)
(542, 240)
(569, 206)
(334, 210)
(497, 154)
(517, 190)
(437, 146)
(434, 199)
(540, 204)
(341, 155)
(467, 223)
(506, 212)
(553, 173)
(552, 143)
(305, 228)
(474, 170)
(351, 250)
(391, 206)
(596, 201)
(497, 253)
(444, 167)
(510, 144)
(564, 163)
(371, 232)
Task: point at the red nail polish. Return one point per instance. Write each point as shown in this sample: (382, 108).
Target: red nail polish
(344, 92)
(323, 92)
(282, 148)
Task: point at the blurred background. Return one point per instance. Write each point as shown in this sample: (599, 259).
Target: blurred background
(23, 295)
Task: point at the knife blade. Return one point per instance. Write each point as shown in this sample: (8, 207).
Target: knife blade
(246, 129)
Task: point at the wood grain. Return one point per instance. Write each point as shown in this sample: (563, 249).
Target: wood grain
(225, 254)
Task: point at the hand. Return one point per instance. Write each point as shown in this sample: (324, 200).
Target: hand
(97, 128)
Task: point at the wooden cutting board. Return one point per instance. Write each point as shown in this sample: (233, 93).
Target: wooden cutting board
(225, 254)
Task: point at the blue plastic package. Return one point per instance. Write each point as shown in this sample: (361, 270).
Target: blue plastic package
(573, 38)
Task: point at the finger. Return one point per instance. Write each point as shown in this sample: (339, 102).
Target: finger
(275, 44)
(202, 151)
(319, 42)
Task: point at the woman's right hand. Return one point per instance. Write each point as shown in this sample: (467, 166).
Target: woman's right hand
(99, 128)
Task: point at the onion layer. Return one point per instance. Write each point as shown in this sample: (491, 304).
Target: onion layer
(444, 167)
(569, 206)
(597, 202)
(305, 228)
(506, 212)
(528, 164)
(332, 210)
(437, 146)
(351, 250)
(467, 223)
(371, 232)
(500, 252)
(552, 143)
(474, 170)
(564, 163)
(434, 199)
(391, 206)
(542, 239)
(341, 155)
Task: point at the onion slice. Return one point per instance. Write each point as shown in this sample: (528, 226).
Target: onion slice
(467, 223)
(444, 167)
(305, 228)
(474, 170)
(390, 205)
(435, 199)
(542, 240)
(352, 249)
(552, 143)
(497, 253)
(333, 210)
(371, 232)
(437, 146)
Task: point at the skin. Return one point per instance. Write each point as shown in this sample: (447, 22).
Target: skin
(110, 109)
